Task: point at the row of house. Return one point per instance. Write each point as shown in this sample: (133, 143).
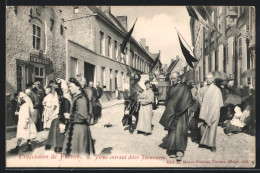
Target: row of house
(230, 47)
(45, 42)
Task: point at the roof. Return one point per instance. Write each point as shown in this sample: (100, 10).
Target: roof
(112, 19)
(172, 65)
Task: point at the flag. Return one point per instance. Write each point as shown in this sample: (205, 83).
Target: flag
(127, 37)
(198, 13)
(188, 57)
(191, 12)
(156, 61)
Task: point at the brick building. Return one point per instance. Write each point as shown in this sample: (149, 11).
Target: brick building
(34, 44)
(45, 42)
(230, 50)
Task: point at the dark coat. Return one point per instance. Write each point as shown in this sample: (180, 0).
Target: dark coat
(178, 100)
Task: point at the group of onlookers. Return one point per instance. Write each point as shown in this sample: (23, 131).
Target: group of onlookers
(65, 109)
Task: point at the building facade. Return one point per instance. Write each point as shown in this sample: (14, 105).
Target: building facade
(63, 41)
(228, 48)
(35, 46)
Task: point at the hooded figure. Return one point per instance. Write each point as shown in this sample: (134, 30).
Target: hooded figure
(25, 128)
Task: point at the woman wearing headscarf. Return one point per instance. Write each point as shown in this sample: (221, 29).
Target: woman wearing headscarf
(61, 106)
(78, 139)
(26, 128)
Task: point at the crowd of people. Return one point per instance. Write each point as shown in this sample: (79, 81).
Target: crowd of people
(64, 109)
(68, 109)
(198, 109)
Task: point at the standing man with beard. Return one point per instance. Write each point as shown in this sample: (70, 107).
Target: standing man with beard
(209, 114)
(175, 117)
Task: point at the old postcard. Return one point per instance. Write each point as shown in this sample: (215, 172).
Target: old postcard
(130, 86)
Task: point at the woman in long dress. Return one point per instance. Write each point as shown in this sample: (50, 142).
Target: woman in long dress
(146, 110)
(78, 139)
(61, 105)
(26, 129)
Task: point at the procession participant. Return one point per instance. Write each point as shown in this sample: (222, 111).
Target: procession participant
(78, 138)
(61, 105)
(15, 107)
(175, 117)
(194, 115)
(88, 93)
(99, 90)
(209, 114)
(146, 110)
(93, 100)
(31, 92)
(47, 113)
(133, 105)
(25, 128)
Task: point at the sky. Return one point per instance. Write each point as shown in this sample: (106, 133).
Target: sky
(157, 25)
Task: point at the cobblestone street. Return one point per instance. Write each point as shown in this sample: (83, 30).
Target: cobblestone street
(137, 150)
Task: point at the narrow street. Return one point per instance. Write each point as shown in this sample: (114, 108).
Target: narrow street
(123, 149)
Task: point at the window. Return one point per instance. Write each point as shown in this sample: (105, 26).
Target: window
(116, 77)
(39, 74)
(109, 53)
(101, 43)
(19, 78)
(209, 63)
(103, 76)
(115, 49)
(36, 37)
(121, 54)
(240, 47)
(76, 9)
(217, 60)
(227, 53)
(111, 78)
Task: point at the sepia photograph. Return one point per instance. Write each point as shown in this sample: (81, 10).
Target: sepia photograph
(130, 86)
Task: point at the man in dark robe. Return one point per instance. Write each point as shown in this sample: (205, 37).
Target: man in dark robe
(15, 107)
(99, 90)
(175, 117)
(132, 104)
(92, 94)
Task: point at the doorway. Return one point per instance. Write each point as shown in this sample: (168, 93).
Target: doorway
(89, 72)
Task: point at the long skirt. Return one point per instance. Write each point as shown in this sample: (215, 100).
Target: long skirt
(145, 119)
(208, 134)
(55, 138)
(29, 133)
(78, 140)
(178, 137)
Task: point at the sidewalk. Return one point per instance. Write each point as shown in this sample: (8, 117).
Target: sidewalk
(105, 104)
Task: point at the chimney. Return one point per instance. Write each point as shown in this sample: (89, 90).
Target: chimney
(122, 20)
(143, 42)
(105, 9)
(147, 48)
(177, 57)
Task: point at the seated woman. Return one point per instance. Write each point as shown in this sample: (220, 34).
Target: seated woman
(238, 121)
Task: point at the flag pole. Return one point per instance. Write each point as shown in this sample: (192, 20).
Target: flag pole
(211, 20)
(183, 38)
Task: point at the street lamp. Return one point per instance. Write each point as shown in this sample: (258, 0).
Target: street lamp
(231, 18)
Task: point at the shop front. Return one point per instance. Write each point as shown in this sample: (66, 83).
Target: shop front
(33, 70)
